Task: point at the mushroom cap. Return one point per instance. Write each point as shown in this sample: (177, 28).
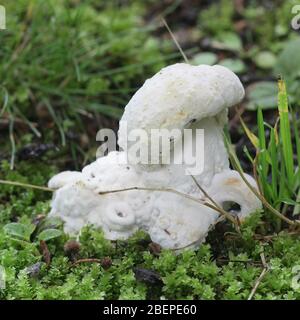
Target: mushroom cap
(178, 95)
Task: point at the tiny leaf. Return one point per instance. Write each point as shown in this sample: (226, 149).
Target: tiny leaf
(205, 58)
(265, 60)
(262, 94)
(235, 65)
(19, 230)
(49, 234)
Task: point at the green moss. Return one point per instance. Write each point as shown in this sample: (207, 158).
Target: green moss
(65, 60)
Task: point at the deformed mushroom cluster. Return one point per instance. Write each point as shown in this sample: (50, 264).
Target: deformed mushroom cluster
(181, 97)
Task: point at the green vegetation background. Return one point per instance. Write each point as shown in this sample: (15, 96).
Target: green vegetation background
(67, 68)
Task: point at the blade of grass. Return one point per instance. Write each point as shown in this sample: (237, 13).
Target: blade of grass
(274, 164)
(28, 122)
(263, 164)
(12, 141)
(110, 111)
(285, 131)
(296, 129)
(252, 137)
(5, 100)
(263, 158)
(57, 121)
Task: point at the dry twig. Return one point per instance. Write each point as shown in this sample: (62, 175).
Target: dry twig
(91, 260)
(259, 279)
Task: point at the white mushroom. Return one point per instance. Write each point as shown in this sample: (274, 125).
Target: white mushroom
(178, 97)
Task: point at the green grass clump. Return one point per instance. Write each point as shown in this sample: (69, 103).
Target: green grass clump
(277, 159)
(62, 62)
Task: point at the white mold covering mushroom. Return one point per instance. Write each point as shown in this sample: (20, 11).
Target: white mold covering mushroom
(181, 97)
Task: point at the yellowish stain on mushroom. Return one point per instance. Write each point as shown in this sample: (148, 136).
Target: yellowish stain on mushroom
(177, 117)
(232, 181)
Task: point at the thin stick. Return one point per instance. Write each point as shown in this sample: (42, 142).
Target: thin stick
(259, 279)
(86, 260)
(221, 210)
(175, 40)
(203, 191)
(207, 204)
(25, 185)
(152, 189)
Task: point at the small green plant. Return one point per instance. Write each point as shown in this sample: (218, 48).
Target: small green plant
(276, 167)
